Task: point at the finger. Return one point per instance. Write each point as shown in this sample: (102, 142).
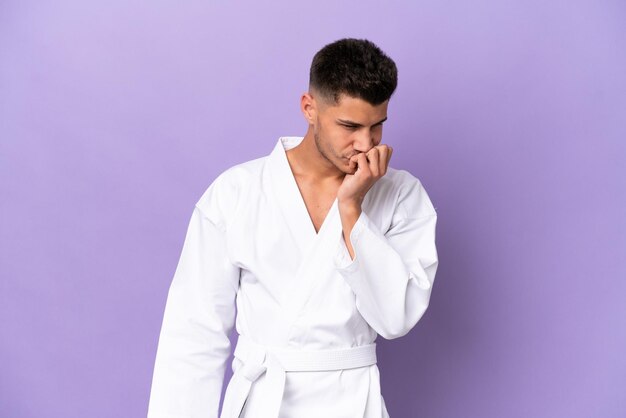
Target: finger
(389, 155)
(354, 162)
(374, 161)
(363, 164)
(383, 160)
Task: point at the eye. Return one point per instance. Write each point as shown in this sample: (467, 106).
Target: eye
(350, 127)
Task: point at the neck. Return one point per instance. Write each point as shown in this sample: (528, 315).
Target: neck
(307, 162)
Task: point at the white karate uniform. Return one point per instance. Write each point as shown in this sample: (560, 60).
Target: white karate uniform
(307, 314)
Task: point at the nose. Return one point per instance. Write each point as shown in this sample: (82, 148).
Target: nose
(365, 141)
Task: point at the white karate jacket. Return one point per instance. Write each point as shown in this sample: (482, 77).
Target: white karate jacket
(307, 314)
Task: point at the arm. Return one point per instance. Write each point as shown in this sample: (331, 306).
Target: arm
(199, 313)
(391, 274)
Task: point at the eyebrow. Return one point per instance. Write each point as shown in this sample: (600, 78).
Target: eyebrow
(349, 122)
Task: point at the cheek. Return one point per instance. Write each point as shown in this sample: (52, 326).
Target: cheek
(378, 135)
(337, 138)
(345, 142)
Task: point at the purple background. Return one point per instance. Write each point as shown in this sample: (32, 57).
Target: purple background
(115, 117)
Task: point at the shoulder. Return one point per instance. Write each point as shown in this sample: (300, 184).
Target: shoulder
(221, 199)
(407, 193)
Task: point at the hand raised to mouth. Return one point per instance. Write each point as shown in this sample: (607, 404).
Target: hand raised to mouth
(370, 166)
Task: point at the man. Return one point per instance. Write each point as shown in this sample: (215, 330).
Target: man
(321, 246)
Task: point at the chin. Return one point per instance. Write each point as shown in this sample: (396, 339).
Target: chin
(345, 167)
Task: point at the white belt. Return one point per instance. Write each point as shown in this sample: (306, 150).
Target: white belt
(275, 362)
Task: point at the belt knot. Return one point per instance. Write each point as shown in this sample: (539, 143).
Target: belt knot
(254, 366)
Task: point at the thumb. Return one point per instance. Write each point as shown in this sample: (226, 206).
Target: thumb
(354, 161)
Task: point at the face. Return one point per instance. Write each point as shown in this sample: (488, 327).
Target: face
(344, 130)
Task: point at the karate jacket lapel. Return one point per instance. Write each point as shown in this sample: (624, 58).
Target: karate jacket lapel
(287, 195)
(315, 249)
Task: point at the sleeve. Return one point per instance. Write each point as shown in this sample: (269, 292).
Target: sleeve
(199, 313)
(392, 273)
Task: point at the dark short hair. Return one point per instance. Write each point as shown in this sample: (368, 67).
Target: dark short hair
(355, 67)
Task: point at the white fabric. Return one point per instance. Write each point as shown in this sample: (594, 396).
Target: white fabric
(256, 359)
(251, 244)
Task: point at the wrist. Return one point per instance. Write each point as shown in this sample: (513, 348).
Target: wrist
(354, 200)
(350, 205)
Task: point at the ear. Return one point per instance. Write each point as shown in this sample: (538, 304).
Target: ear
(308, 106)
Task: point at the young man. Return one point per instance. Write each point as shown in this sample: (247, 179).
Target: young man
(321, 246)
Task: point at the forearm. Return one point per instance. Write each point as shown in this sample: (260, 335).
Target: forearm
(390, 276)
(349, 212)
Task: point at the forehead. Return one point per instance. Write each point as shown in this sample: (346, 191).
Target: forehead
(353, 107)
